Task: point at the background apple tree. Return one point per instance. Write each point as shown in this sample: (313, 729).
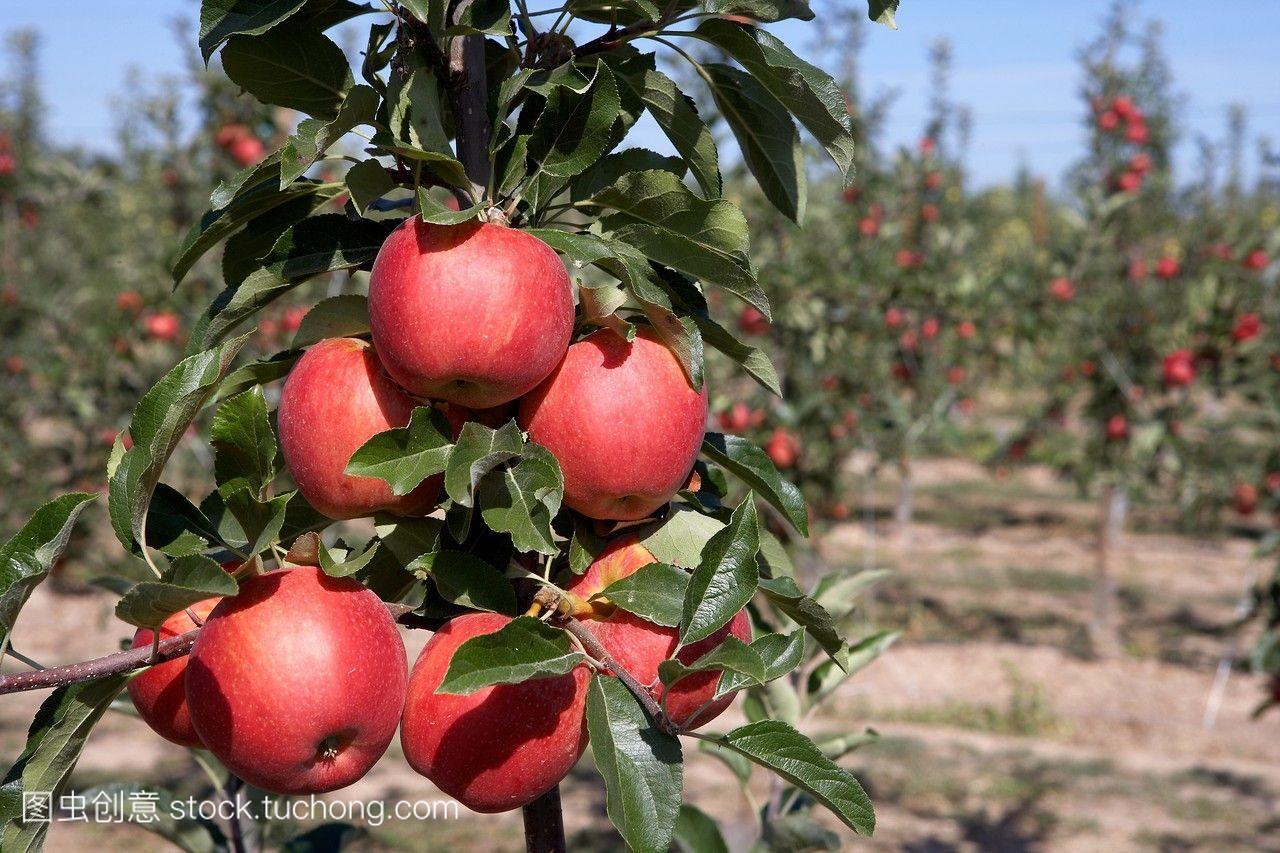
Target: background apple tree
(456, 112)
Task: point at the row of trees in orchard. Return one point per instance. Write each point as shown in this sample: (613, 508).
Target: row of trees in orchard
(493, 426)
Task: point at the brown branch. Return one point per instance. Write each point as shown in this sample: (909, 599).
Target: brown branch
(544, 824)
(127, 661)
(589, 642)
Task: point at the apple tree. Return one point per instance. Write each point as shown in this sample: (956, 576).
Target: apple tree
(495, 430)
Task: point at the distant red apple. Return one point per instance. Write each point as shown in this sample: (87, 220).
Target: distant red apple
(894, 318)
(1062, 290)
(929, 212)
(1246, 328)
(1179, 368)
(228, 134)
(783, 448)
(1123, 107)
(1272, 481)
(291, 320)
(850, 194)
(247, 150)
(1140, 163)
(162, 325)
(933, 180)
(868, 226)
(1244, 498)
(1255, 260)
(15, 364)
(1108, 121)
(1137, 269)
(1117, 428)
(908, 259)
(927, 145)
(966, 330)
(1129, 182)
(1088, 368)
(930, 328)
(752, 321)
(1137, 133)
(955, 375)
(130, 301)
(908, 340)
(1167, 268)
(736, 419)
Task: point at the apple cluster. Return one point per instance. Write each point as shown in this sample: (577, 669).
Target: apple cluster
(298, 683)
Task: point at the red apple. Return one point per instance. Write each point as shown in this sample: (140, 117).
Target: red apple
(639, 645)
(929, 212)
(291, 320)
(783, 448)
(1247, 327)
(1244, 498)
(1117, 428)
(159, 693)
(228, 134)
(623, 422)
(1088, 368)
(129, 301)
(1137, 133)
(736, 419)
(1108, 121)
(955, 375)
(1140, 163)
(474, 314)
(335, 399)
(927, 145)
(907, 259)
(1167, 268)
(162, 325)
(894, 318)
(1123, 107)
(933, 180)
(752, 321)
(1179, 368)
(850, 194)
(966, 330)
(1255, 260)
(1137, 270)
(500, 747)
(1062, 290)
(868, 226)
(247, 150)
(1128, 182)
(296, 684)
(930, 328)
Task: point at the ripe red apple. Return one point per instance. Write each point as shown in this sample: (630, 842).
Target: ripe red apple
(247, 150)
(966, 330)
(1117, 428)
(162, 325)
(1140, 163)
(927, 145)
(1244, 498)
(955, 375)
(907, 259)
(1137, 133)
(639, 645)
(291, 320)
(7, 164)
(783, 448)
(159, 693)
(623, 422)
(1255, 260)
(1108, 121)
(1123, 107)
(475, 314)
(894, 318)
(930, 328)
(1167, 268)
(1272, 481)
(868, 226)
(1247, 327)
(908, 340)
(1179, 368)
(129, 301)
(335, 399)
(228, 134)
(736, 419)
(933, 180)
(752, 321)
(1128, 182)
(1088, 368)
(929, 212)
(1062, 289)
(500, 747)
(850, 194)
(296, 684)
(1137, 270)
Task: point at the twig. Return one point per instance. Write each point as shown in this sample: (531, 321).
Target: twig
(544, 824)
(127, 661)
(589, 642)
(232, 792)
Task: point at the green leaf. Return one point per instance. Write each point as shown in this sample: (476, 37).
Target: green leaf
(767, 136)
(349, 565)
(54, 743)
(483, 16)
(654, 592)
(345, 316)
(803, 610)
(660, 216)
(222, 19)
(244, 445)
(314, 135)
(367, 181)
(25, 560)
(731, 656)
(468, 581)
(642, 767)
(523, 499)
(806, 91)
(609, 168)
(828, 675)
(574, 130)
(779, 654)
(753, 359)
(159, 421)
(726, 578)
(264, 371)
(415, 128)
(797, 832)
(291, 65)
(753, 466)
(244, 250)
(521, 650)
(187, 581)
(681, 537)
(315, 245)
(405, 456)
(696, 832)
(840, 745)
(433, 211)
(676, 114)
(882, 12)
(764, 11)
(478, 451)
(254, 175)
(177, 527)
(777, 746)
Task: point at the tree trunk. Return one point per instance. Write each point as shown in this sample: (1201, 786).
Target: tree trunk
(1103, 632)
(544, 824)
(903, 508)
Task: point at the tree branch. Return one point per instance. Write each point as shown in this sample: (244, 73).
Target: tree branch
(544, 824)
(589, 642)
(127, 661)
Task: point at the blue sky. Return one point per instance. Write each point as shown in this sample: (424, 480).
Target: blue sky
(1014, 67)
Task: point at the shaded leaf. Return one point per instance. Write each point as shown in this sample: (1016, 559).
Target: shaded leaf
(726, 577)
(405, 456)
(522, 649)
(187, 581)
(753, 466)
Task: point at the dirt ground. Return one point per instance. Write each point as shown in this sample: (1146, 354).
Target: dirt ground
(999, 729)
